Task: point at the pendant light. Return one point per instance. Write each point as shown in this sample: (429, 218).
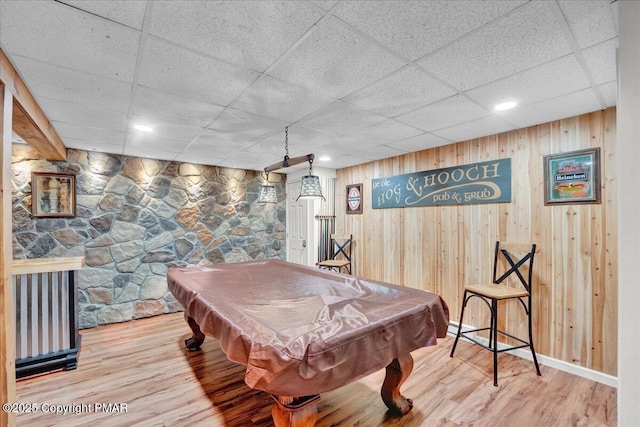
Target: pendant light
(267, 193)
(310, 185)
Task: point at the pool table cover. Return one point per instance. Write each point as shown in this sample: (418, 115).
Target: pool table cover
(301, 330)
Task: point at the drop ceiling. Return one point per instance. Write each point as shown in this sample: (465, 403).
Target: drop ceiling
(355, 81)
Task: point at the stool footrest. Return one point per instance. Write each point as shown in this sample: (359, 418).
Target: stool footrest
(488, 346)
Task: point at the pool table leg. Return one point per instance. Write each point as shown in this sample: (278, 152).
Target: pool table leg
(295, 412)
(397, 372)
(197, 339)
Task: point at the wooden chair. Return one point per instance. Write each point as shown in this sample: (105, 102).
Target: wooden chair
(341, 257)
(512, 258)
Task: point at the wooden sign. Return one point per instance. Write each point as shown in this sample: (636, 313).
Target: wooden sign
(484, 182)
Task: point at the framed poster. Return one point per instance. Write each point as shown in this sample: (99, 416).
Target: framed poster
(572, 177)
(53, 195)
(354, 199)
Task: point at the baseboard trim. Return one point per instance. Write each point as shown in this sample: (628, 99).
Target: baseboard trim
(561, 365)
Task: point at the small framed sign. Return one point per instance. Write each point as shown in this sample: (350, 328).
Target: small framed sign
(53, 195)
(354, 199)
(572, 177)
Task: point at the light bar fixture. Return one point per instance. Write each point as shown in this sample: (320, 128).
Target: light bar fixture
(310, 186)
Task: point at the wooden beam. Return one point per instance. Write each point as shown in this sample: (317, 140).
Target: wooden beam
(7, 325)
(19, 112)
(28, 120)
(289, 162)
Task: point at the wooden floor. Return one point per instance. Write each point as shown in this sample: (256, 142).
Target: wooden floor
(143, 365)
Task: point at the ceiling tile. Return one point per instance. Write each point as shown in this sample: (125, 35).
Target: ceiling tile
(387, 132)
(337, 159)
(198, 159)
(246, 125)
(252, 161)
(415, 28)
(274, 98)
(273, 150)
(126, 12)
(325, 162)
(40, 30)
(218, 144)
(58, 83)
(171, 69)
(569, 105)
(166, 145)
(564, 75)
(400, 92)
(301, 140)
(313, 64)
(490, 125)
(609, 92)
(150, 153)
(162, 129)
(107, 147)
(420, 142)
(443, 114)
(601, 61)
(88, 134)
(591, 22)
(246, 33)
(347, 145)
(528, 37)
(324, 4)
(347, 161)
(165, 106)
(342, 118)
(86, 115)
(337, 77)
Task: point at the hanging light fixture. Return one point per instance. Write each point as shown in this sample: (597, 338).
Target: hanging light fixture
(310, 186)
(267, 193)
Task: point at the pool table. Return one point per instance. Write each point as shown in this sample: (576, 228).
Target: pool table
(301, 331)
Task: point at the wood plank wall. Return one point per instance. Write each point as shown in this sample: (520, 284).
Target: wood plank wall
(439, 249)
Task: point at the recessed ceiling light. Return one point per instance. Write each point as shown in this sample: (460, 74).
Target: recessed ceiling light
(143, 128)
(505, 106)
(324, 158)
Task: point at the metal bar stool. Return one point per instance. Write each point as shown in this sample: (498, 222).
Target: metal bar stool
(514, 258)
(341, 258)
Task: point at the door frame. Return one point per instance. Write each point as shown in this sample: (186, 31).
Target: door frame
(293, 187)
(314, 207)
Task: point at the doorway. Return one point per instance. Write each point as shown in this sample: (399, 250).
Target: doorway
(297, 226)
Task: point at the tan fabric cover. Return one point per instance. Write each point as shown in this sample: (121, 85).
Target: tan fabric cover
(302, 330)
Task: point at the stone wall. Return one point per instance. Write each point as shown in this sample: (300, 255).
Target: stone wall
(138, 217)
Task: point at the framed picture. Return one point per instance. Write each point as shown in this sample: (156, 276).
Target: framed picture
(53, 195)
(354, 199)
(572, 177)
